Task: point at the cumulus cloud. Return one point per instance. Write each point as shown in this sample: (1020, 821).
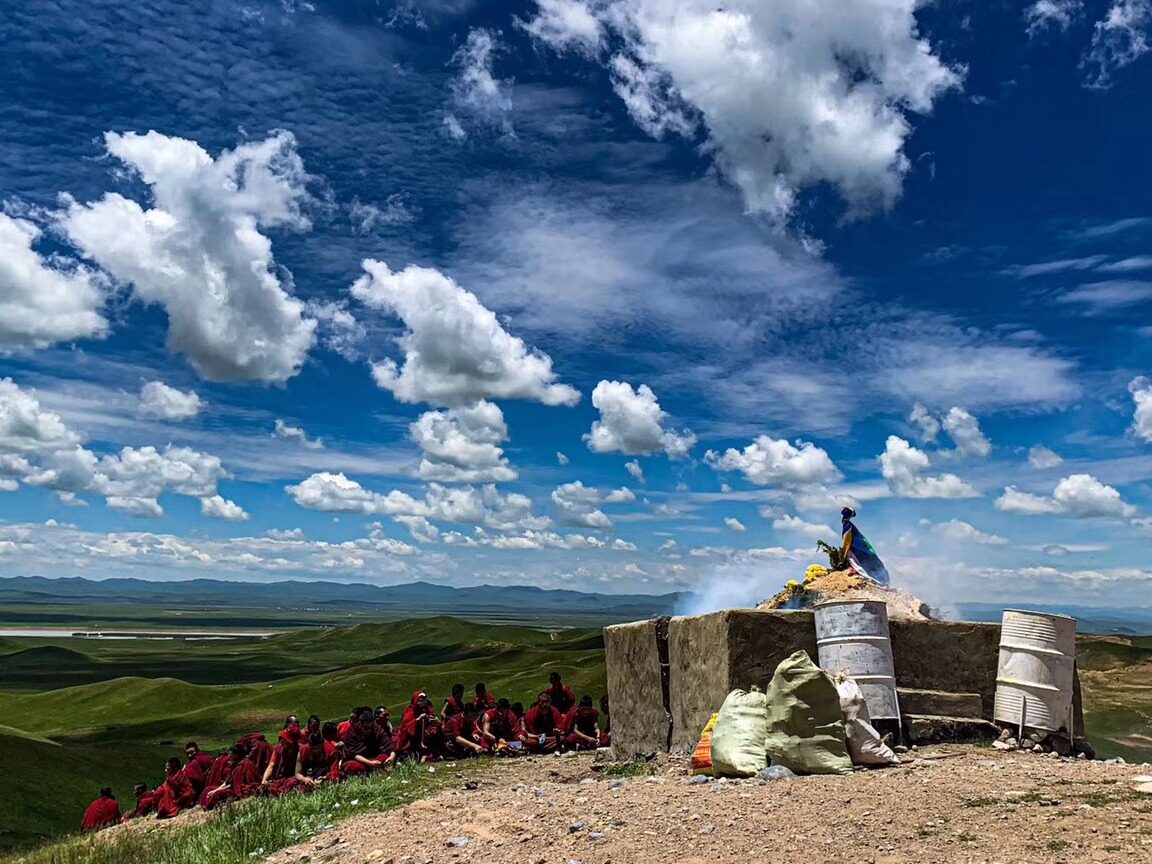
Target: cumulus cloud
(476, 92)
(1040, 458)
(1052, 15)
(562, 458)
(635, 470)
(903, 467)
(964, 430)
(734, 524)
(26, 427)
(162, 402)
(1120, 38)
(923, 420)
(141, 508)
(199, 251)
(295, 433)
(578, 504)
(462, 445)
(455, 350)
(1141, 390)
(632, 422)
(774, 461)
(788, 96)
(44, 299)
(219, 507)
(795, 524)
(623, 495)
(1080, 495)
(959, 531)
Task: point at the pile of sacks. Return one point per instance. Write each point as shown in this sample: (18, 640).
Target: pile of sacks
(807, 722)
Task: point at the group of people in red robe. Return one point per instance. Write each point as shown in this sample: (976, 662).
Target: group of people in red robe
(305, 757)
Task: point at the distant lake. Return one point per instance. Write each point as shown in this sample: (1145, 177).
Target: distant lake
(70, 633)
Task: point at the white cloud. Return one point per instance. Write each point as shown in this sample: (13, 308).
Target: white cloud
(1040, 458)
(476, 92)
(159, 400)
(141, 508)
(295, 433)
(632, 422)
(285, 534)
(1052, 15)
(578, 505)
(366, 218)
(562, 458)
(797, 525)
(461, 445)
(623, 495)
(1141, 390)
(335, 493)
(959, 531)
(774, 461)
(44, 300)
(26, 427)
(219, 507)
(1080, 495)
(903, 467)
(455, 350)
(566, 25)
(790, 97)
(634, 469)
(1120, 39)
(928, 425)
(199, 252)
(419, 527)
(734, 524)
(964, 430)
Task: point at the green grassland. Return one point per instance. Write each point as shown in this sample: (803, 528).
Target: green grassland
(1116, 677)
(79, 714)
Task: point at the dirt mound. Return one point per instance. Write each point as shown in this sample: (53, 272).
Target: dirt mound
(848, 585)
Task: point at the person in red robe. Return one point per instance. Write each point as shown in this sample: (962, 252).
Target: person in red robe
(454, 704)
(102, 812)
(543, 726)
(318, 761)
(606, 722)
(258, 749)
(500, 729)
(563, 699)
(384, 721)
(345, 725)
(365, 748)
(145, 802)
(420, 735)
(280, 775)
(581, 726)
(233, 776)
(175, 794)
(197, 766)
(314, 725)
(483, 700)
(461, 737)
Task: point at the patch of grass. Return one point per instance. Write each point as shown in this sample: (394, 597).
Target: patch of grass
(1113, 796)
(627, 769)
(249, 829)
(966, 837)
(1057, 845)
(1029, 798)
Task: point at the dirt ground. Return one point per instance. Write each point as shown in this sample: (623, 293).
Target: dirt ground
(944, 805)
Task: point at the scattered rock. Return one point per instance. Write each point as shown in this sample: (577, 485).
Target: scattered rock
(576, 827)
(775, 772)
(615, 784)
(698, 779)
(595, 836)
(457, 841)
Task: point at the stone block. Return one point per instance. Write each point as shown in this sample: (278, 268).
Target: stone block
(635, 691)
(941, 704)
(952, 656)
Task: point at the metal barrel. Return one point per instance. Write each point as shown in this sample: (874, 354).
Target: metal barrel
(1035, 675)
(852, 637)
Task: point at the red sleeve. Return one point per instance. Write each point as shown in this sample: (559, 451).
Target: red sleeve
(91, 820)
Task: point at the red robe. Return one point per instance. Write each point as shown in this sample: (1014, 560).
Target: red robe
(283, 760)
(503, 724)
(175, 794)
(482, 705)
(196, 770)
(584, 721)
(452, 707)
(563, 699)
(409, 736)
(259, 751)
(343, 727)
(145, 804)
(320, 763)
(371, 745)
(100, 814)
(455, 727)
(238, 778)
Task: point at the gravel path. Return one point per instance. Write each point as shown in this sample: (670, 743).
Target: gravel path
(951, 805)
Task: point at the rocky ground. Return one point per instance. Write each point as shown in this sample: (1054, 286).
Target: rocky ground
(848, 585)
(944, 805)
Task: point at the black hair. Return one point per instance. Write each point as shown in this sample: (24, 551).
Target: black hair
(238, 749)
(481, 687)
(585, 701)
(457, 689)
(190, 744)
(106, 792)
(503, 705)
(518, 709)
(329, 730)
(289, 718)
(380, 708)
(366, 716)
(312, 717)
(316, 739)
(554, 675)
(174, 762)
(136, 789)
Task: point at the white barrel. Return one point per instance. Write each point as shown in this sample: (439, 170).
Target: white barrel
(852, 637)
(1034, 679)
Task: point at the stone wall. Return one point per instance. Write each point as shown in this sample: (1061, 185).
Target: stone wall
(640, 721)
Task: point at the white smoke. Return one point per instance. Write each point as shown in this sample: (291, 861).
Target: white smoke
(741, 587)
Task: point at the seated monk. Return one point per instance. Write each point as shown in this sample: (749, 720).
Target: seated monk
(314, 725)
(461, 737)
(280, 775)
(581, 726)
(563, 699)
(419, 734)
(175, 794)
(145, 802)
(500, 729)
(606, 722)
(258, 749)
(543, 726)
(197, 766)
(317, 761)
(454, 704)
(233, 776)
(102, 812)
(345, 725)
(365, 748)
(384, 721)
(483, 700)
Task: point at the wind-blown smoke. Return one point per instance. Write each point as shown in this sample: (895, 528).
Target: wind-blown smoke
(739, 588)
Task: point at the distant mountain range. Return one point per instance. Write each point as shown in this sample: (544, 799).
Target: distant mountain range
(1102, 620)
(421, 597)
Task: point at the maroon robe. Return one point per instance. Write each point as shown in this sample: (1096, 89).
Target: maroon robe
(100, 814)
(175, 794)
(237, 776)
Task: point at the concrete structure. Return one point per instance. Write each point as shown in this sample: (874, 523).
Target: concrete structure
(710, 655)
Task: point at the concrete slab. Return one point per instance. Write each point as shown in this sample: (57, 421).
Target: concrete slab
(952, 656)
(940, 704)
(639, 719)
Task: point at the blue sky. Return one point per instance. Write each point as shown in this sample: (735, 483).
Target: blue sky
(614, 297)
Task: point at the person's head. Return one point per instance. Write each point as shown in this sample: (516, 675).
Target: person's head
(352, 714)
(365, 719)
(191, 750)
(420, 699)
(140, 790)
(544, 700)
(604, 703)
(848, 513)
(291, 720)
(382, 714)
(518, 709)
(315, 739)
(313, 721)
(503, 705)
(469, 711)
(458, 692)
(481, 690)
(106, 792)
(330, 731)
(585, 704)
(554, 679)
(238, 751)
(172, 765)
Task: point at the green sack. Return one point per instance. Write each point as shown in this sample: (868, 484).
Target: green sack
(805, 725)
(738, 739)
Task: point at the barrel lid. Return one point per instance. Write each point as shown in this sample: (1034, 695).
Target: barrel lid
(1041, 614)
(849, 603)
